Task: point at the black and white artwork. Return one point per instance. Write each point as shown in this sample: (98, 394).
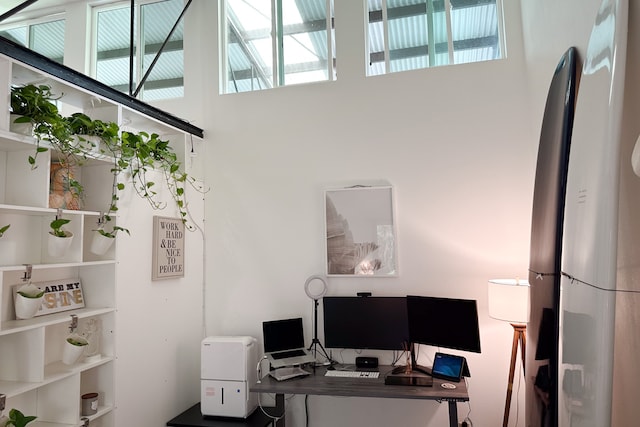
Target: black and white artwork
(360, 232)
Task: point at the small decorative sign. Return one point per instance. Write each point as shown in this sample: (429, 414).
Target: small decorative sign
(168, 248)
(59, 295)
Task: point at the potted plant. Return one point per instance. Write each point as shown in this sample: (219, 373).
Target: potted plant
(16, 419)
(59, 239)
(31, 104)
(34, 105)
(4, 229)
(74, 346)
(103, 239)
(28, 301)
(82, 130)
(89, 133)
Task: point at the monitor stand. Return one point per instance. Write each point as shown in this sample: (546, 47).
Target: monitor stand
(410, 374)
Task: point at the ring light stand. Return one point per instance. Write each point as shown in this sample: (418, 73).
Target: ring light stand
(315, 296)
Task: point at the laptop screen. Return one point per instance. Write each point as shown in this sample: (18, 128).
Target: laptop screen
(281, 335)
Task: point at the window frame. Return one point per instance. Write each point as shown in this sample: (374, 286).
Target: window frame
(430, 36)
(278, 76)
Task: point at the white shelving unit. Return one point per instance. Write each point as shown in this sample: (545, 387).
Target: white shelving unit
(32, 376)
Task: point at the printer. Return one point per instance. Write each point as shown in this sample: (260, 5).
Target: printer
(228, 369)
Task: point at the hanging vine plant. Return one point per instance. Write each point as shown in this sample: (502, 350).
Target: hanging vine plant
(143, 152)
(35, 104)
(133, 153)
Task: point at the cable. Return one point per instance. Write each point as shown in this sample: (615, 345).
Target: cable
(259, 369)
(467, 419)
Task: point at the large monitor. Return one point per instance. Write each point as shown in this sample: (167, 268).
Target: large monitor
(444, 322)
(376, 323)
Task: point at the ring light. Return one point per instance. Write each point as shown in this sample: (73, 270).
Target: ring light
(315, 294)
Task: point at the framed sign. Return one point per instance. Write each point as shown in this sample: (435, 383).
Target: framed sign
(59, 295)
(168, 248)
(360, 232)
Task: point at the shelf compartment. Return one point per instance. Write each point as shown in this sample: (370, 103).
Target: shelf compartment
(15, 326)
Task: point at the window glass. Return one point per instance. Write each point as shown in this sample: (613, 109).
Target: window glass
(410, 34)
(46, 38)
(276, 43)
(249, 45)
(18, 35)
(112, 48)
(166, 77)
(156, 19)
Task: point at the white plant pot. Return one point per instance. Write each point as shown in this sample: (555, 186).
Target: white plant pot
(88, 143)
(71, 352)
(26, 308)
(101, 244)
(58, 246)
(21, 128)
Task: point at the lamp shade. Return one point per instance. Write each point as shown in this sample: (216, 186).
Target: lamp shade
(509, 300)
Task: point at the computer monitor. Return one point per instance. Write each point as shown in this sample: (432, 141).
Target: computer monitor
(444, 322)
(376, 323)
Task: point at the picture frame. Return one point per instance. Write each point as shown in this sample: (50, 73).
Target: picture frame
(360, 232)
(168, 248)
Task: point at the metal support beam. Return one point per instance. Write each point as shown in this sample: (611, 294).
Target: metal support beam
(16, 9)
(155, 58)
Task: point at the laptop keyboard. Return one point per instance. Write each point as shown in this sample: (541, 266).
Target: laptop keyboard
(285, 354)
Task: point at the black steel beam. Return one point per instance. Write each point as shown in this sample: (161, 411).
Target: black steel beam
(40, 62)
(16, 9)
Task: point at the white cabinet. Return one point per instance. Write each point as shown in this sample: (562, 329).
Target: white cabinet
(32, 375)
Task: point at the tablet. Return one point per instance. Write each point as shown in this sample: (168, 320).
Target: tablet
(448, 367)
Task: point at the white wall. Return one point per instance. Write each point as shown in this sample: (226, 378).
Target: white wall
(457, 144)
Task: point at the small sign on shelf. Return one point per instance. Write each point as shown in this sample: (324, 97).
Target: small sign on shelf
(59, 295)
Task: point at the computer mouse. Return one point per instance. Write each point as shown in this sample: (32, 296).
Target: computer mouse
(448, 385)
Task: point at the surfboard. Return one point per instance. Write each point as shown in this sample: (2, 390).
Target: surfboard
(546, 242)
(589, 250)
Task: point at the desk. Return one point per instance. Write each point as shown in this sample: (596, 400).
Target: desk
(318, 384)
(192, 417)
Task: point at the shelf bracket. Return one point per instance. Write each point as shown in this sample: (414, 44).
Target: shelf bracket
(27, 272)
(74, 323)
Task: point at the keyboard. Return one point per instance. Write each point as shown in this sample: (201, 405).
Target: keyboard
(352, 374)
(289, 353)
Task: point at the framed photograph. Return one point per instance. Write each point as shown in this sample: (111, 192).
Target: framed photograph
(168, 248)
(360, 232)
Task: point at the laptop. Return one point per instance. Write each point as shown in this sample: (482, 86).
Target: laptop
(284, 343)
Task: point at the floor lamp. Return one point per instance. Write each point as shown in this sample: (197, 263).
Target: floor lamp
(509, 301)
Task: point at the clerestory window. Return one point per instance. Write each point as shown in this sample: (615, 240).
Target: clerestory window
(411, 34)
(153, 21)
(46, 38)
(271, 43)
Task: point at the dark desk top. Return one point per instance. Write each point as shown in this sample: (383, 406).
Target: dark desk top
(192, 417)
(318, 384)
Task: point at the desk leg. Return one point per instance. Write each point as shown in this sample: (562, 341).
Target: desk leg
(453, 414)
(280, 409)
